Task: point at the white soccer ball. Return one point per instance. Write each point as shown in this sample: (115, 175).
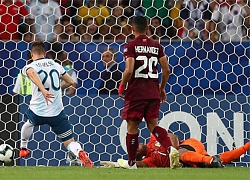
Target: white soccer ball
(6, 153)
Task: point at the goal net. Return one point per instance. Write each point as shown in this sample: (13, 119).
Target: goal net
(207, 92)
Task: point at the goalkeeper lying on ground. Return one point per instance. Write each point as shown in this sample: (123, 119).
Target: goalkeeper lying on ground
(192, 153)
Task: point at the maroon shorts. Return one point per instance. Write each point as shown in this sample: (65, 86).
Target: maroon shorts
(136, 110)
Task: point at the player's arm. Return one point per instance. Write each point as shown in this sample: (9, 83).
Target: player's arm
(130, 62)
(141, 151)
(129, 69)
(72, 89)
(165, 71)
(67, 81)
(141, 164)
(33, 76)
(165, 75)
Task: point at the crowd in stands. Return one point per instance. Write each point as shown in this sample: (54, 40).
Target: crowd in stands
(109, 20)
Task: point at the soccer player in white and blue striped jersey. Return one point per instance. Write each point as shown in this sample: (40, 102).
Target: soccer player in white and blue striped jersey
(46, 105)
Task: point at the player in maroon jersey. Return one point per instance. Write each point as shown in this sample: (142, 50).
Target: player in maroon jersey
(144, 94)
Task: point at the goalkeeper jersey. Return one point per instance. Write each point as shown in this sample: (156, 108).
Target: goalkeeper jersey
(49, 73)
(157, 155)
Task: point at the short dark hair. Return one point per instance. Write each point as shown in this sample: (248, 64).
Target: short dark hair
(38, 47)
(140, 24)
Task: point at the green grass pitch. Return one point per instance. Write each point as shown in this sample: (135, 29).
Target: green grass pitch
(78, 172)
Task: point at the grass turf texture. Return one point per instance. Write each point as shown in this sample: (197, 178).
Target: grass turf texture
(74, 173)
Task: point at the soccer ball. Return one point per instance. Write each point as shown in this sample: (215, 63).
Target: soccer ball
(6, 153)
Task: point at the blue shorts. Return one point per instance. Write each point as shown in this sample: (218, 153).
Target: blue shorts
(59, 124)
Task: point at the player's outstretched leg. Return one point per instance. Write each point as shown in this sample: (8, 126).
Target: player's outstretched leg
(197, 158)
(174, 158)
(26, 132)
(229, 156)
(194, 158)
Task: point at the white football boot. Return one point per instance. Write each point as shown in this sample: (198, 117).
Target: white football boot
(174, 158)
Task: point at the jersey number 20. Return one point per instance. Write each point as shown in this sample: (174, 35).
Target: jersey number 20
(152, 61)
(54, 79)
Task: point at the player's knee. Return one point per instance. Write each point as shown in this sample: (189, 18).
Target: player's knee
(152, 124)
(132, 126)
(66, 142)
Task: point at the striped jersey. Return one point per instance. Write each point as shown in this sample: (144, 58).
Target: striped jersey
(49, 72)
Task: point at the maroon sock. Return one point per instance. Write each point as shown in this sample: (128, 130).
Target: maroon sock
(162, 137)
(132, 145)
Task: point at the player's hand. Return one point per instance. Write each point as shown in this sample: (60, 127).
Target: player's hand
(47, 96)
(121, 90)
(163, 95)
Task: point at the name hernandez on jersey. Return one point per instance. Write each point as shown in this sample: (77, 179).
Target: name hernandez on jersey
(147, 49)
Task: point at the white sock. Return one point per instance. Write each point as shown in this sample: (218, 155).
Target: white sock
(74, 147)
(26, 131)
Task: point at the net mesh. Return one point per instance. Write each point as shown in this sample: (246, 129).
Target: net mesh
(208, 90)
